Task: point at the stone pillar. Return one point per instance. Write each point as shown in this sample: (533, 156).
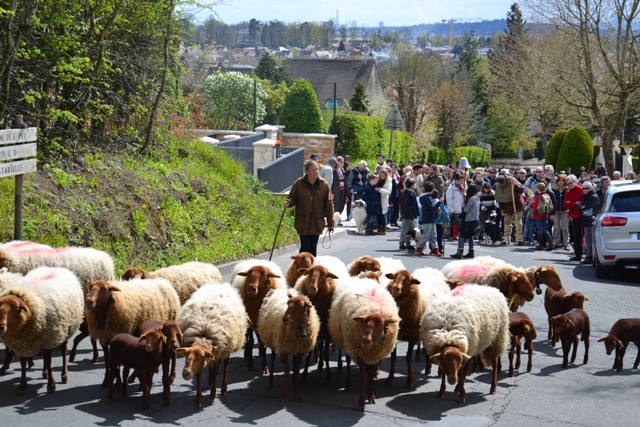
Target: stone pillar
(271, 132)
(627, 161)
(263, 153)
(616, 149)
(600, 157)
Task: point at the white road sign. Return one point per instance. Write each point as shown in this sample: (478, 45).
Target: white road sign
(17, 168)
(17, 136)
(13, 152)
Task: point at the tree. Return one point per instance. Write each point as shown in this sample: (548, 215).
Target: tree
(359, 101)
(598, 76)
(507, 124)
(453, 117)
(254, 30)
(269, 69)
(301, 111)
(576, 150)
(228, 100)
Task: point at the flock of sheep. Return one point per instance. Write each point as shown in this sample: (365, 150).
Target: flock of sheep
(463, 315)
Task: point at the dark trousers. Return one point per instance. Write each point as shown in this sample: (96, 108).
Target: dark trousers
(309, 243)
(576, 242)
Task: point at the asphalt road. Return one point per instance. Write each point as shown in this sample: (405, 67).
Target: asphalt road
(582, 395)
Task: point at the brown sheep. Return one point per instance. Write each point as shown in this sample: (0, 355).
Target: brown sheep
(198, 357)
(319, 285)
(620, 335)
(543, 275)
(254, 279)
(521, 326)
(362, 264)
(130, 352)
(566, 328)
(301, 260)
(560, 302)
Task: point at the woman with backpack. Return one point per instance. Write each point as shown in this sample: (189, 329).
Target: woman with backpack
(470, 223)
(542, 211)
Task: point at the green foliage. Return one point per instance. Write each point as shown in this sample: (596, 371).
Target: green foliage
(507, 124)
(436, 155)
(177, 204)
(363, 137)
(268, 69)
(274, 101)
(576, 150)
(228, 100)
(477, 156)
(301, 111)
(553, 149)
(359, 101)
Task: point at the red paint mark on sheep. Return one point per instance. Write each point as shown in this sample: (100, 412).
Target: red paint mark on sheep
(49, 276)
(457, 291)
(467, 270)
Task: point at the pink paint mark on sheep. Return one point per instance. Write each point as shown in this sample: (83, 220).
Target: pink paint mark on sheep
(458, 291)
(468, 270)
(49, 276)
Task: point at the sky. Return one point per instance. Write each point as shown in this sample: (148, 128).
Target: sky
(365, 12)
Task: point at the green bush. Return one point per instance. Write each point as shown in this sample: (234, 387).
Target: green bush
(301, 111)
(363, 137)
(576, 150)
(436, 155)
(551, 157)
(477, 156)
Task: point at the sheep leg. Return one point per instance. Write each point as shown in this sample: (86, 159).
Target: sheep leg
(284, 358)
(372, 387)
(585, 359)
(528, 343)
(263, 356)
(511, 351)
(363, 380)
(248, 349)
(518, 352)
(105, 350)
(273, 362)
(94, 346)
(326, 347)
(22, 387)
(51, 382)
(84, 332)
(172, 375)
(339, 368)
(125, 375)
(297, 361)
(635, 364)
(462, 374)
(575, 349)
(145, 380)
(318, 356)
(8, 358)
(418, 351)
(410, 383)
(166, 382)
(213, 374)
(428, 363)
(110, 385)
(225, 370)
(566, 347)
(392, 367)
(306, 366)
(199, 389)
(443, 384)
(347, 386)
(550, 333)
(494, 376)
(65, 370)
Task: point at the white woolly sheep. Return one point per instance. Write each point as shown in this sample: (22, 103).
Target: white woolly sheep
(319, 284)
(289, 325)
(254, 278)
(364, 321)
(333, 264)
(537, 275)
(117, 307)
(470, 320)
(39, 313)
(7, 279)
(186, 278)
(213, 323)
(301, 260)
(510, 281)
(413, 294)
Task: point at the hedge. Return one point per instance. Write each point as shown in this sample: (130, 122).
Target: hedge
(576, 150)
(553, 149)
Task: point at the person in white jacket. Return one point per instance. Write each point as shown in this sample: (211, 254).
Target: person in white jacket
(384, 188)
(454, 199)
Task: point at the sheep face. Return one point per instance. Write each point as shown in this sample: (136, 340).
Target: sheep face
(364, 263)
(577, 299)
(374, 329)
(153, 340)
(198, 358)
(6, 260)
(257, 280)
(135, 273)
(297, 315)
(402, 283)
(172, 332)
(520, 285)
(610, 343)
(548, 275)
(451, 360)
(303, 260)
(13, 313)
(454, 283)
(316, 279)
(100, 293)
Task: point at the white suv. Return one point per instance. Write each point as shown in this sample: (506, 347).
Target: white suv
(617, 229)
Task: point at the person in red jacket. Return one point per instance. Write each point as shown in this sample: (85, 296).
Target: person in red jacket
(572, 201)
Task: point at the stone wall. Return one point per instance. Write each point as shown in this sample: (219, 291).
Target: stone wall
(318, 143)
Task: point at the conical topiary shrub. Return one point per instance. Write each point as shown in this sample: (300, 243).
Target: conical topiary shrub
(576, 150)
(301, 111)
(553, 149)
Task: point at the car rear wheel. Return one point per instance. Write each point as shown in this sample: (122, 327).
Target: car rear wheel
(602, 271)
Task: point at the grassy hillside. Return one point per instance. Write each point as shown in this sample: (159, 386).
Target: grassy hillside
(187, 202)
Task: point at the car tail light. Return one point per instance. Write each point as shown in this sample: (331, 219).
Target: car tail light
(609, 257)
(613, 221)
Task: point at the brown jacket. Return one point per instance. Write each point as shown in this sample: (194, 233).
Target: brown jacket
(312, 206)
(505, 198)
